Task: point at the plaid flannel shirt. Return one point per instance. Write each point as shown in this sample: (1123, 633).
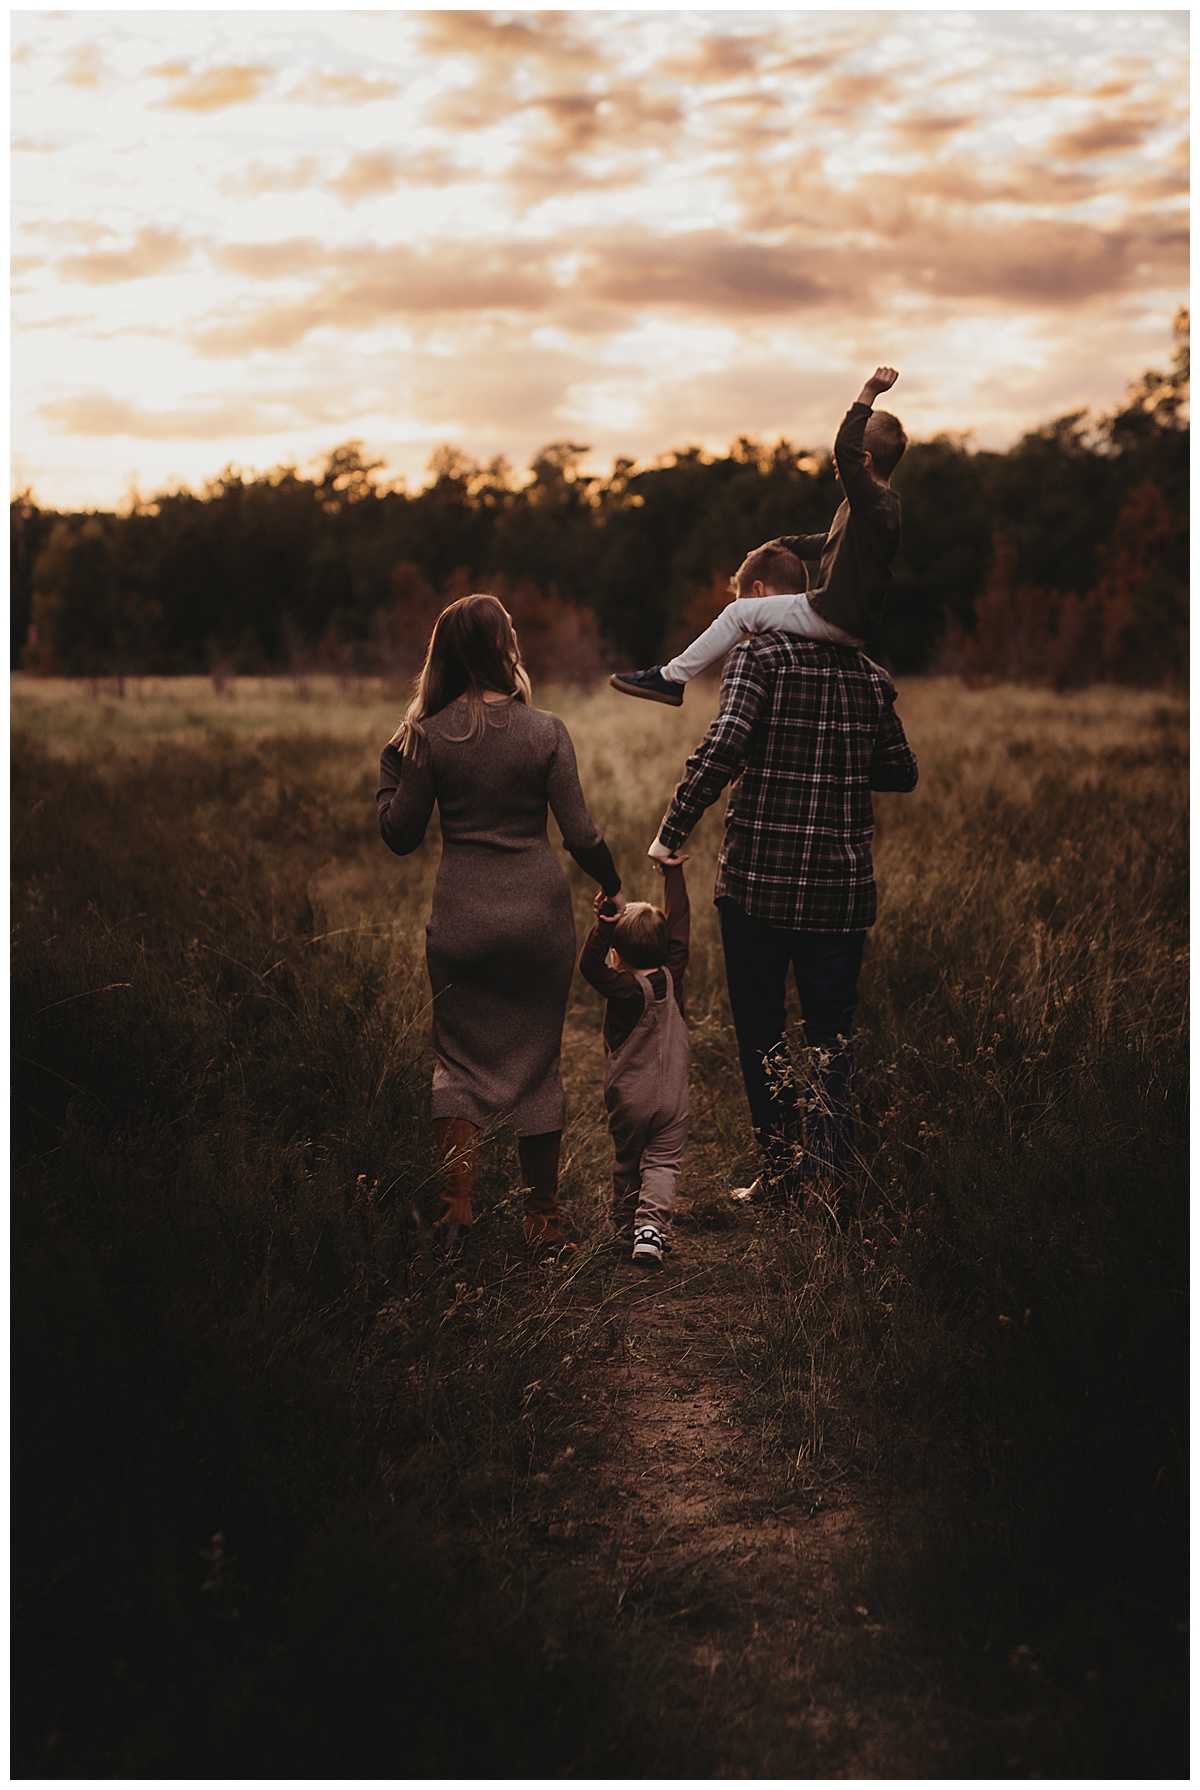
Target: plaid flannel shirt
(806, 730)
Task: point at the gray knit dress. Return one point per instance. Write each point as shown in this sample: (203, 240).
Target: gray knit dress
(500, 943)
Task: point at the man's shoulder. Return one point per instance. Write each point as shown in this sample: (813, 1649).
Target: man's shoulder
(779, 652)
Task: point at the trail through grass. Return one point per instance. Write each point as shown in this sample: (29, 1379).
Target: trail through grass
(907, 1500)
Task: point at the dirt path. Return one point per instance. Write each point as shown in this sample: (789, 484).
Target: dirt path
(754, 1593)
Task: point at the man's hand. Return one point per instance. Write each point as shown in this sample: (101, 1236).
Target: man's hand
(662, 856)
(662, 865)
(881, 380)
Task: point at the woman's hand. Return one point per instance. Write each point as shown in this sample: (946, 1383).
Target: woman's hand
(614, 904)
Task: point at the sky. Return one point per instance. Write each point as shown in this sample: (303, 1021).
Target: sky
(240, 238)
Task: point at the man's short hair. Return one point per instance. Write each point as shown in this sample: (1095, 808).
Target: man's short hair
(885, 441)
(777, 567)
(640, 935)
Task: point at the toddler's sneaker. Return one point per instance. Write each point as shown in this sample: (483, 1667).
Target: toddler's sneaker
(650, 684)
(648, 1246)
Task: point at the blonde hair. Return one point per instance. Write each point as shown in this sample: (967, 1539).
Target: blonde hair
(640, 935)
(779, 568)
(473, 648)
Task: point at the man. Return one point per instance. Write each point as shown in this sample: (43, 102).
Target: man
(805, 731)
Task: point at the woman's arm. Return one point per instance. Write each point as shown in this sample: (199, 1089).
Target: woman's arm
(581, 836)
(405, 800)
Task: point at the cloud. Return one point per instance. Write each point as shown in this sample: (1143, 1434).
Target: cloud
(513, 55)
(848, 92)
(706, 271)
(550, 40)
(341, 90)
(606, 272)
(1152, 188)
(716, 59)
(98, 414)
(795, 199)
(1052, 264)
(378, 171)
(215, 89)
(260, 177)
(29, 146)
(1104, 136)
(84, 67)
(365, 176)
(69, 229)
(590, 283)
(271, 260)
(812, 62)
(369, 287)
(927, 130)
(152, 252)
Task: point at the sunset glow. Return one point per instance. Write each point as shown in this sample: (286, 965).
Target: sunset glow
(244, 237)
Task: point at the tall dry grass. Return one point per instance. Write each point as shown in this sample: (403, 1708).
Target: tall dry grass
(277, 1479)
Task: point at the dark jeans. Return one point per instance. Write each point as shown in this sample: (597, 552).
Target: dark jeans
(826, 967)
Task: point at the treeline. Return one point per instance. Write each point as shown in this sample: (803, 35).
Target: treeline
(1063, 559)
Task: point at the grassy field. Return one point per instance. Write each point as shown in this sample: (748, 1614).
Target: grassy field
(290, 1502)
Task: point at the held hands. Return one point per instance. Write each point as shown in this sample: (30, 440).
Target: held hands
(663, 858)
(609, 907)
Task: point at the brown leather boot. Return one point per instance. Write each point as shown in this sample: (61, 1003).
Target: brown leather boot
(457, 1142)
(544, 1235)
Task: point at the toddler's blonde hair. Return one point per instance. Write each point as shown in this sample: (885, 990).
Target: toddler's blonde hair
(640, 935)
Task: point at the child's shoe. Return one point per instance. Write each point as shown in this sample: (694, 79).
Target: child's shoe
(648, 1246)
(650, 684)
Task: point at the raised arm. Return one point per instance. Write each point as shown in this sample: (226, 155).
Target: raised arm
(679, 919)
(857, 482)
(404, 799)
(581, 836)
(722, 752)
(614, 985)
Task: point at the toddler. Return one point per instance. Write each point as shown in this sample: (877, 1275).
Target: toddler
(646, 1047)
(771, 585)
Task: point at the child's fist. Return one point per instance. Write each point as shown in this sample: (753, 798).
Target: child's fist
(883, 379)
(605, 907)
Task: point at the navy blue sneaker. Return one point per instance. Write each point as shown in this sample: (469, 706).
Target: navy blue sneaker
(650, 684)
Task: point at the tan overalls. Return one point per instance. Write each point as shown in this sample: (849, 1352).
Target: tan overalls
(646, 1094)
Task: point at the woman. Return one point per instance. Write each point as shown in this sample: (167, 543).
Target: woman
(500, 944)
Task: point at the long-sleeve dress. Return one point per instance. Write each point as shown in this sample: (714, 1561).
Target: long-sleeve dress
(500, 943)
